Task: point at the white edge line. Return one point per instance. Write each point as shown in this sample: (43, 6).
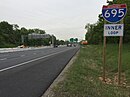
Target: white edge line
(29, 61)
(3, 59)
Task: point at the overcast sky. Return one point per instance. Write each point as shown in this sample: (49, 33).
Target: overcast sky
(63, 18)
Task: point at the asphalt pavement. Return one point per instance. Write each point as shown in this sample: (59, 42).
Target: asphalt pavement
(29, 73)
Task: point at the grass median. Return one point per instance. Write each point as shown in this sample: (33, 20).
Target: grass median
(84, 77)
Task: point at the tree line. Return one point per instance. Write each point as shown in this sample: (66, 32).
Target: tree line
(11, 36)
(94, 34)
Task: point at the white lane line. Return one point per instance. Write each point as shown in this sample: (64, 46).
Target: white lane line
(3, 59)
(22, 55)
(30, 61)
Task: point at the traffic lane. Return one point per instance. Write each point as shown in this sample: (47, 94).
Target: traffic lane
(29, 61)
(17, 53)
(13, 55)
(33, 81)
(27, 56)
(21, 57)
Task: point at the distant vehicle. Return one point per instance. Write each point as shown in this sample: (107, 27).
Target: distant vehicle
(69, 45)
(85, 42)
(21, 46)
(55, 46)
(74, 45)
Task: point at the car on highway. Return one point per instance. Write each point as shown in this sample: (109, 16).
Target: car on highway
(69, 45)
(21, 46)
(55, 46)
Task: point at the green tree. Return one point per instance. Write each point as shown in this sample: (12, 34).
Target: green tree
(7, 33)
(94, 32)
(76, 39)
(10, 35)
(71, 39)
(126, 20)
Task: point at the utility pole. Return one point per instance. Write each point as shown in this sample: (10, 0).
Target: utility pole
(52, 41)
(22, 39)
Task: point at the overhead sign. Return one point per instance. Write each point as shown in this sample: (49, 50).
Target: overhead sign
(113, 29)
(38, 36)
(114, 13)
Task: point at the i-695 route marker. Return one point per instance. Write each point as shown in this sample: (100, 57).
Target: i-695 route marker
(113, 14)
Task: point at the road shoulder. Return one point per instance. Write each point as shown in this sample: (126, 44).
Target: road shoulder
(49, 92)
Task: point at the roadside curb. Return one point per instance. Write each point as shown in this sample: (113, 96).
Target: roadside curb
(61, 77)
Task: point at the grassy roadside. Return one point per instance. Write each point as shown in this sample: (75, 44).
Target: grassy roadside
(83, 77)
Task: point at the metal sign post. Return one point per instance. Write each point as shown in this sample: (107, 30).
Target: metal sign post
(52, 41)
(22, 39)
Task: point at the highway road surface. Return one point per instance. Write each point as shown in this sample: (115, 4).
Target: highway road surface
(29, 73)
